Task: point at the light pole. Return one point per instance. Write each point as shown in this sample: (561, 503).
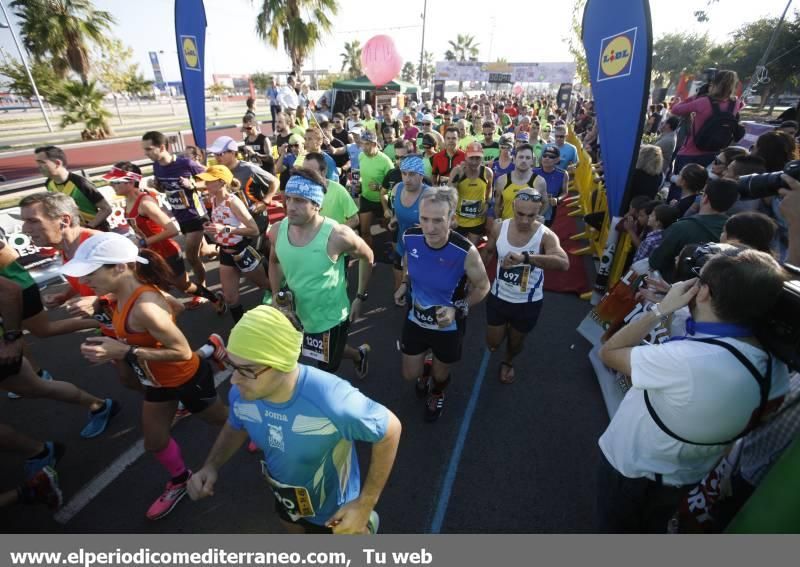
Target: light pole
(422, 47)
(8, 25)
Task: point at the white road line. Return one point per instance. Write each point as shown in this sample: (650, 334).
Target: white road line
(99, 483)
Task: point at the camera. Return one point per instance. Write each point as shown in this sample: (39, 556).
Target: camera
(758, 185)
(779, 329)
(708, 76)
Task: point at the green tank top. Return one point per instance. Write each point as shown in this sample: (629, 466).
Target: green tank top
(317, 282)
(16, 273)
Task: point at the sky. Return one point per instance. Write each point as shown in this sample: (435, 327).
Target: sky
(520, 31)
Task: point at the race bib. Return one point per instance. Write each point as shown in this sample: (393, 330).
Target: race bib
(247, 260)
(517, 277)
(295, 500)
(425, 316)
(355, 175)
(177, 199)
(470, 209)
(141, 372)
(317, 346)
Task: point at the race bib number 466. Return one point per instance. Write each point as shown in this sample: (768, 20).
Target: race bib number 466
(517, 276)
(425, 316)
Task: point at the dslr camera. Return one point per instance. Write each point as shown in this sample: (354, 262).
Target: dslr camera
(758, 185)
(779, 330)
(708, 76)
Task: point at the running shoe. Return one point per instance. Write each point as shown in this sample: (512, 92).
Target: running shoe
(99, 421)
(43, 488)
(196, 302)
(362, 368)
(220, 306)
(169, 499)
(373, 523)
(44, 375)
(220, 354)
(54, 453)
(434, 406)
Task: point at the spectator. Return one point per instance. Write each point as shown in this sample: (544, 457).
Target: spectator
(749, 228)
(776, 148)
(691, 180)
(789, 208)
(705, 226)
(688, 398)
(744, 165)
(287, 97)
(660, 218)
(94, 209)
(637, 225)
(666, 141)
(700, 107)
(251, 108)
(274, 105)
(648, 177)
(790, 127)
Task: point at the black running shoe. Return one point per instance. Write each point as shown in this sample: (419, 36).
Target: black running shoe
(434, 406)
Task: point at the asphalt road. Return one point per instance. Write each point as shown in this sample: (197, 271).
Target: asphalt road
(524, 464)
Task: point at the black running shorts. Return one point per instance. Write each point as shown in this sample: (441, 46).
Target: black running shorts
(445, 345)
(522, 317)
(196, 395)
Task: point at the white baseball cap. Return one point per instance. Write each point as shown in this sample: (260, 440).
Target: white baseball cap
(99, 250)
(223, 144)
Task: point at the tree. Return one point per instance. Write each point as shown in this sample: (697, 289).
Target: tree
(409, 72)
(113, 68)
(351, 58)
(462, 49)
(261, 81)
(59, 32)
(83, 103)
(674, 53)
(284, 19)
(14, 78)
(575, 42)
(217, 89)
(138, 86)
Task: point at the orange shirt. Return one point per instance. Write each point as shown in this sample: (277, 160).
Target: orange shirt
(81, 289)
(151, 373)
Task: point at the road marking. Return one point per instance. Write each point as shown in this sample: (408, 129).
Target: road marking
(100, 482)
(455, 456)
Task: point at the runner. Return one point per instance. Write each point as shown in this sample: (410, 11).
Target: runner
(374, 166)
(556, 179)
(282, 133)
(232, 227)
(473, 182)
(52, 163)
(306, 421)
(174, 176)
(406, 207)
(444, 276)
(524, 248)
(490, 143)
(444, 161)
(257, 148)
(153, 229)
(149, 348)
(520, 177)
(308, 253)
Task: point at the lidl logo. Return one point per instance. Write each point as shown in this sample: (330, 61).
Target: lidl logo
(191, 57)
(616, 55)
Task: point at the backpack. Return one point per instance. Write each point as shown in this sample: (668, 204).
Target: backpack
(720, 130)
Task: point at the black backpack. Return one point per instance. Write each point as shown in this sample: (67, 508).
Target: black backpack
(720, 130)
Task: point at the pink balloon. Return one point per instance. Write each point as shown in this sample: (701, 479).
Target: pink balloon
(517, 90)
(380, 60)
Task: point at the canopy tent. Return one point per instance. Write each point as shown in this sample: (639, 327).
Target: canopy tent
(364, 84)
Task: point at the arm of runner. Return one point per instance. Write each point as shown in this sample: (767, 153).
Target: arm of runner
(11, 312)
(352, 518)
(275, 269)
(564, 189)
(346, 241)
(498, 196)
(387, 211)
(540, 185)
(491, 245)
(67, 326)
(554, 257)
(489, 186)
(250, 227)
(402, 289)
(150, 209)
(228, 442)
(103, 212)
(476, 275)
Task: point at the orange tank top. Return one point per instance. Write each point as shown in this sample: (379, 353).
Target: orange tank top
(81, 289)
(151, 373)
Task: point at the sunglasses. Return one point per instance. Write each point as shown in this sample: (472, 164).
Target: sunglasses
(526, 197)
(560, 136)
(549, 156)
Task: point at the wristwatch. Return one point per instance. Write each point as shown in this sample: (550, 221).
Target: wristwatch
(526, 256)
(363, 296)
(12, 336)
(227, 230)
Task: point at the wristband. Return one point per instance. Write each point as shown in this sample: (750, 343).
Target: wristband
(656, 310)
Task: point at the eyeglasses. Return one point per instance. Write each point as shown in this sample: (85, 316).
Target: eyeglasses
(247, 371)
(549, 156)
(557, 136)
(427, 124)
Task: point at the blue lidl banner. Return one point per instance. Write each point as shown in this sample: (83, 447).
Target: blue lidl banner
(156, 68)
(617, 37)
(190, 35)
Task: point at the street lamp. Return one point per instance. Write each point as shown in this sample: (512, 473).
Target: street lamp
(7, 24)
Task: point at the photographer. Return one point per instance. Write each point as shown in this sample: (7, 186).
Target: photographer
(689, 398)
(701, 137)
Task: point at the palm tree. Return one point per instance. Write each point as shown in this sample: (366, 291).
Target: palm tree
(409, 72)
(59, 30)
(137, 86)
(462, 49)
(285, 18)
(83, 103)
(351, 58)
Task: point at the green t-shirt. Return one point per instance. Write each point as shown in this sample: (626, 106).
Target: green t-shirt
(427, 166)
(389, 151)
(373, 170)
(82, 191)
(465, 141)
(371, 125)
(338, 204)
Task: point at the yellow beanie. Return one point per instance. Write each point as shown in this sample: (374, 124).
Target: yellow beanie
(265, 336)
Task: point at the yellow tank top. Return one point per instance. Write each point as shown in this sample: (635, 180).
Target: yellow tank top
(471, 210)
(510, 192)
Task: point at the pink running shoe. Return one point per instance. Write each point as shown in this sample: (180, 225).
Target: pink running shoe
(168, 500)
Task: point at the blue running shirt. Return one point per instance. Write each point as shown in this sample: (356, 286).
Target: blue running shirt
(308, 441)
(406, 216)
(437, 276)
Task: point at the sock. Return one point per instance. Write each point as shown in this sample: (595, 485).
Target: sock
(171, 459)
(101, 409)
(41, 455)
(204, 292)
(237, 312)
(438, 387)
(205, 351)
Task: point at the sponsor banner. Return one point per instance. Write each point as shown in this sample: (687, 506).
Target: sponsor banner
(505, 72)
(190, 35)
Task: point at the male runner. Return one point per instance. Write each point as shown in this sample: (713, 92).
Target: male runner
(337, 204)
(473, 182)
(524, 248)
(490, 142)
(444, 276)
(444, 161)
(374, 165)
(507, 186)
(305, 420)
(557, 181)
(308, 253)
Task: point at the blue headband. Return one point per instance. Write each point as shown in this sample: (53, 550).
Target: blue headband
(299, 186)
(412, 164)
